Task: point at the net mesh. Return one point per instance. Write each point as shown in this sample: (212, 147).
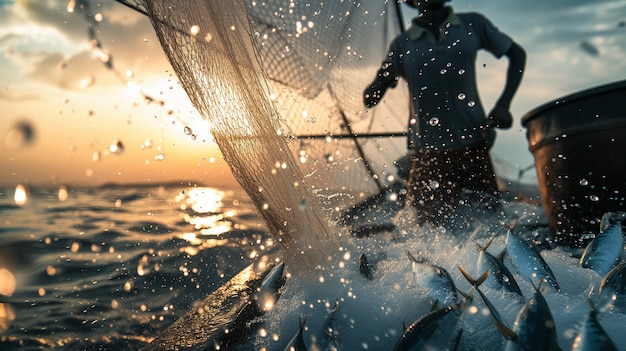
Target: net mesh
(280, 83)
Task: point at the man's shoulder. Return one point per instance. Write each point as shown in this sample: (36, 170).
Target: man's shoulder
(471, 17)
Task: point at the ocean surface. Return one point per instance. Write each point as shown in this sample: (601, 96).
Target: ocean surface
(109, 268)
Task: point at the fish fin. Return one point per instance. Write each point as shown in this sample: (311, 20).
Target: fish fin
(364, 267)
(436, 306)
(483, 277)
(413, 258)
(404, 327)
(505, 331)
(511, 226)
(502, 255)
(489, 242)
(302, 321)
(475, 282)
(465, 295)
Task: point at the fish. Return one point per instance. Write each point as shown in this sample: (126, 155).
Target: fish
(604, 251)
(498, 321)
(612, 288)
(297, 342)
(328, 337)
(436, 279)
(534, 328)
(436, 330)
(364, 267)
(269, 291)
(592, 336)
(500, 276)
(528, 261)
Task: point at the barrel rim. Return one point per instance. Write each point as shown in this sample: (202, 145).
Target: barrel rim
(572, 98)
(577, 131)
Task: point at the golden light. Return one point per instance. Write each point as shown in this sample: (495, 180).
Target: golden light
(21, 195)
(7, 282)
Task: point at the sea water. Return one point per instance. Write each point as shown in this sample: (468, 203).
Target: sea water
(108, 268)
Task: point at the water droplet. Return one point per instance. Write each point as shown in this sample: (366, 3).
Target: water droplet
(95, 156)
(594, 198)
(71, 5)
(116, 147)
(584, 182)
(87, 82)
(433, 121)
(471, 103)
(22, 134)
(443, 71)
(188, 130)
(195, 29)
(461, 71)
(7, 315)
(21, 195)
(7, 282)
(461, 96)
(433, 184)
(51, 270)
(63, 193)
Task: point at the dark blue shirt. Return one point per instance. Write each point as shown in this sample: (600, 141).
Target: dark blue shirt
(445, 110)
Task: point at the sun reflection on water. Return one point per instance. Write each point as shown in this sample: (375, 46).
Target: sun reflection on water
(204, 209)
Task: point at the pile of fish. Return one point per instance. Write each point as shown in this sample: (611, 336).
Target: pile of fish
(444, 326)
(534, 328)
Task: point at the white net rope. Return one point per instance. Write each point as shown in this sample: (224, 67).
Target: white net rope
(319, 56)
(218, 67)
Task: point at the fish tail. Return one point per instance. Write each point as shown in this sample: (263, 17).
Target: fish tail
(475, 282)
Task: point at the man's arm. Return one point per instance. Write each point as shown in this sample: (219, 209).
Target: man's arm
(501, 115)
(385, 79)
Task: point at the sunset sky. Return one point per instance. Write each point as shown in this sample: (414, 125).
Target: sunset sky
(79, 100)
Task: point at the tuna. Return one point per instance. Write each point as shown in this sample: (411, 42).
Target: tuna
(612, 288)
(297, 342)
(604, 251)
(592, 336)
(528, 261)
(436, 279)
(437, 330)
(499, 322)
(500, 277)
(534, 327)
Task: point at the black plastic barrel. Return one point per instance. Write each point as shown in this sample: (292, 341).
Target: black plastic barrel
(579, 146)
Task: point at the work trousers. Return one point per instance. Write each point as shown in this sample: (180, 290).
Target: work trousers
(439, 181)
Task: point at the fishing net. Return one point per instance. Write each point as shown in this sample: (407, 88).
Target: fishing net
(281, 84)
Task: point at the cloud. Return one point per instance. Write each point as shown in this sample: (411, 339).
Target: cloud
(48, 44)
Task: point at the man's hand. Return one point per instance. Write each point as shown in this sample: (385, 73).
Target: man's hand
(372, 95)
(501, 118)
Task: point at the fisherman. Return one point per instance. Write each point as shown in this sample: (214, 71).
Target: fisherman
(448, 130)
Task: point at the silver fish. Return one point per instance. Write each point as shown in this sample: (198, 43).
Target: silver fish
(534, 327)
(328, 337)
(592, 336)
(269, 291)
(436, 279)
(612, 288)
(528, 261)
(297, 342)
(436, 330)
(500, 276)
(498, 321)
(364, 267)
(604, 251)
